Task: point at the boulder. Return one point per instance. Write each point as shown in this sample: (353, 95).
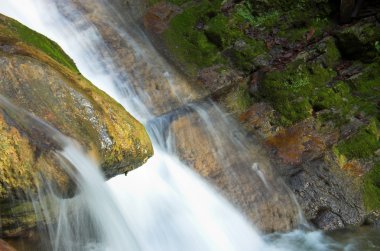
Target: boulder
(38, 77)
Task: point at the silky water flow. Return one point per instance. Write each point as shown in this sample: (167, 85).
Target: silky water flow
(163, 205)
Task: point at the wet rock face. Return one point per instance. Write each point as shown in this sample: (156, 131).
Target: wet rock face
(329, 195)
(329, 198)
(51, 89)
(165, 92)
(235, 170)
(148, 75)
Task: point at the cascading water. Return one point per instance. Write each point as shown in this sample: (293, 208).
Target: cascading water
(163, 205)
(89, 224)
(173, 200)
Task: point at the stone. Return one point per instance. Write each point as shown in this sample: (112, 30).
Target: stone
(237, 172)
(4, 246)
(49, 86)
(330, 199)
(218, 80)
(134, 65)
(300, 142)
(357, 41)
(158, 16)
(258, 118)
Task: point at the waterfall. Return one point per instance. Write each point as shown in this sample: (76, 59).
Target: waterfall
(163, 205)
(172, 209)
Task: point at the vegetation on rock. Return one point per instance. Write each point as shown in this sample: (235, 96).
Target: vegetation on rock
(300, 67)
(37, 76)
(18, 32)
(372, 188)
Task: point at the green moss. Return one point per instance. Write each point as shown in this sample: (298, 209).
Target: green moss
(238, 100)
(190, 45)
(243, 13)
(177, 2)
(267, 20)
(219, 39)
(219, 32)
(321, 7)
(371, 188)
(377, 46)
(332, 54)
(243, 57)
(296, 28)
(361, 145)
(297, 90)
(236, 47)
(358, 41)
(38, 41)
(366, 89)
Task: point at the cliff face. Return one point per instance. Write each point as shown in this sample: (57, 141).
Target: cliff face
(305, 85)
(37, 76)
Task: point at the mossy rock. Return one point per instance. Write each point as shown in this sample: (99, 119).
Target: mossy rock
(299, 90)
(13, 30)
(362, 144)
(37, 76)
(372, 188)
(216, 32)
(359, 40)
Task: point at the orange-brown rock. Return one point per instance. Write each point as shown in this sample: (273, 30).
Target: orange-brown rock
(4, 246)
(354, 167)
(299, 142)
(237, 171)
(158, 16)
(258, 117)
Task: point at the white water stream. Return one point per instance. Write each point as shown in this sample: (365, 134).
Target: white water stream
(163, 205)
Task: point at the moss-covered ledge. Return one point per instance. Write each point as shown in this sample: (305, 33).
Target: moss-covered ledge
(37, 76)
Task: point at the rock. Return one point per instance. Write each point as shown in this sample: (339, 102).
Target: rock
(158, 16)
(355, 168)
(330, 199)
(328, 194)
(358, 41)
(373, 219)
(134, 65)
(301, 142)
(136, 8)
(258, 118)
(5, 246)
(49, 86)
(237, 172)
(218, 80)
(328, 220)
